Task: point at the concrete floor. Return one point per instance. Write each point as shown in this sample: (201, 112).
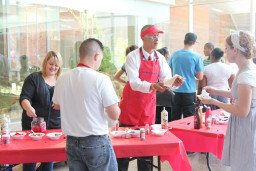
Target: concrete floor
(197, 161)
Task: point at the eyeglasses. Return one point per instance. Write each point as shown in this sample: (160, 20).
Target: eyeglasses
(155, 36)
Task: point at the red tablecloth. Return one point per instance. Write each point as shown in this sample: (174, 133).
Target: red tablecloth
(168, 147)
(29, 151)
(200, 140)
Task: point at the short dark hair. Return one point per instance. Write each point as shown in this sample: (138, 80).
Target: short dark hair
(217, 53)
(209, 45)
(190, 38)
(89, 47)
(130, 48)
(163, 51)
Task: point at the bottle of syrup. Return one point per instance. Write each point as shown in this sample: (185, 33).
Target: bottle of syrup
(197, 117)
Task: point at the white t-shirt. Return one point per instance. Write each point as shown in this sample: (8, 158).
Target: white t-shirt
(217, 75)
(132, 66)
(234, 68)
(83, 94)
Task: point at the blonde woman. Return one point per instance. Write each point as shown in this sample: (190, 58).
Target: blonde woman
(36, 99)
(239, 150)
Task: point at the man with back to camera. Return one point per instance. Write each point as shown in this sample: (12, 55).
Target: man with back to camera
(144, 66)
(188, 64)
(208, 47)
(83, 94)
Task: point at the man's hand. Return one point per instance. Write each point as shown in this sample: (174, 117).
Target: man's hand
(56, 106)
(178, 82)
(158, 86)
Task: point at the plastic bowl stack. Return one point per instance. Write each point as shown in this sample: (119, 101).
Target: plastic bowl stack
(157, 130)
(156, 126)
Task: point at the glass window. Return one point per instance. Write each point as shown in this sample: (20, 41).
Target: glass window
(213, 22)
(31, 29)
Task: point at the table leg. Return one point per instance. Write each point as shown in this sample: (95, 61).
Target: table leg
(158, 167)
(208, 162)
(158, 163)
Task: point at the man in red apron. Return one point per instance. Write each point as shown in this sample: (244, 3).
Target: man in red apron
(144, 66)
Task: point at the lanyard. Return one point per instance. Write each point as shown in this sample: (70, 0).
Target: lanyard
(155, 57)
(80, 64)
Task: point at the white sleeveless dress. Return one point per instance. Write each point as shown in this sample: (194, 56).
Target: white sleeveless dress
(239, 150)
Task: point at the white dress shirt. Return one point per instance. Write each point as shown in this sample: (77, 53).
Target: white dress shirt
(132, 66)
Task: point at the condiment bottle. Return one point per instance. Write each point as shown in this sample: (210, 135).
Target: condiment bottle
(207, 114)
(214, 121)
(201, 116)
(142, 134)
(127, 135)
(147, 129)
(197, 118)
(4, 123)
(208, 123)
(164, 119)
(5, 139)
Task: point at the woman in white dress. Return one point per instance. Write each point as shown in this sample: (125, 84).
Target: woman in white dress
(240, 141)
(218, 75)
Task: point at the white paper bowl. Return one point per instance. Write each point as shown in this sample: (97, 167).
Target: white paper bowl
(117, 134)
(156, 126)
(54, 135)
(36, 136)
(158, 132)
(223, 119)
(135, 133)
(18, 137)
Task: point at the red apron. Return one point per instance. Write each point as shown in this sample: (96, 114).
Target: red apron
(139, 108)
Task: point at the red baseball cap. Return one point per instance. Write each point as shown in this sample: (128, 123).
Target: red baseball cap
(151, 30)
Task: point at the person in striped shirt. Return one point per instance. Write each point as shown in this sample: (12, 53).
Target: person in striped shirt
(208, 47)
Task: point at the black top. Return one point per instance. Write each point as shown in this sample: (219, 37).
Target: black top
(36, 91)
(123, 68)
